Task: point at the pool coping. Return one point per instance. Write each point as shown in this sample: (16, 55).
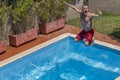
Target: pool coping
(118, 78)
(42, 45)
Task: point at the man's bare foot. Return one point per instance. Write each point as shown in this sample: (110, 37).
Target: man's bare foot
(75, 39)
(86, 43)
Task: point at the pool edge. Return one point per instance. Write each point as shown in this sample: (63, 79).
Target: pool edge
(29, 51)
(42, 45)
(118, 78)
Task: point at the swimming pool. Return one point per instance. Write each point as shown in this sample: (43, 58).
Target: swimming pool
(64, 59)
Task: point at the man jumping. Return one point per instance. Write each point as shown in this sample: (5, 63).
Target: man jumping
(86, 21)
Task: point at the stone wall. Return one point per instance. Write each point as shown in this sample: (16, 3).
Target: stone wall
(110, 6)
(71, 14)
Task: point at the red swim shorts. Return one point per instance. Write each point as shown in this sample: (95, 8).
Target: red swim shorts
(86, 34)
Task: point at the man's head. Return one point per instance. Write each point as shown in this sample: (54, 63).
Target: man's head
(85, 8)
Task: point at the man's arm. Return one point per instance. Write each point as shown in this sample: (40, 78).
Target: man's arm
(75, 8)
(96, 15)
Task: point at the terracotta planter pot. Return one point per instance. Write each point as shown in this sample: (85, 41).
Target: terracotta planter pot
(31, 35)
(61, 23)
(17, 40)
(52, 26)
(3, 46)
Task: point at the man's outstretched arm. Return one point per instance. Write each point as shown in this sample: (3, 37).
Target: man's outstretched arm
(75, 8)
(96, 15)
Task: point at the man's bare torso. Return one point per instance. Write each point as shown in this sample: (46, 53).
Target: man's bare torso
(86, 21)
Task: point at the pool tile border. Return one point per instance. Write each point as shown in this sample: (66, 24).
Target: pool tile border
(102, 43)
(29, 51)
(42, 45)
(118, 78)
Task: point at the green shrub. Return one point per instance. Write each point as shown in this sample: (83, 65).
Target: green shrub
(21, 11)
(3, 19)
(50, 10)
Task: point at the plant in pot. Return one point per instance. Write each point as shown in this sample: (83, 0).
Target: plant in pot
(51, 15)
(3, 20)
(22, 22)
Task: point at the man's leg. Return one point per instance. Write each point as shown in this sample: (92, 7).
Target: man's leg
(92, 41)
(89, 36)
(80, 36)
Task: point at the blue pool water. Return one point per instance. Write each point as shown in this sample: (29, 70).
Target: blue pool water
(65, 60)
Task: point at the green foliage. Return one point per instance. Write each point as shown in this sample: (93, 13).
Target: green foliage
(22, 13)
(75, 22)
(20, 10)
(108, 24)
(3, 18)
(50, 10)
(3, 14)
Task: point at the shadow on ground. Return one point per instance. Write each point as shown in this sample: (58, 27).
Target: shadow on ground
(116, 34)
